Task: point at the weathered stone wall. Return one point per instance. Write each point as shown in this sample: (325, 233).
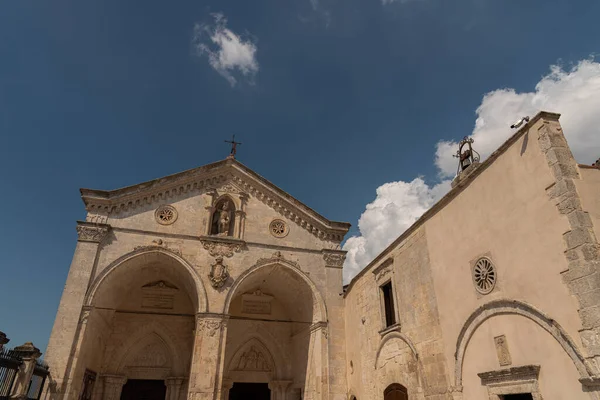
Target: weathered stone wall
(112, 272)
(522, 210)
(412, 353)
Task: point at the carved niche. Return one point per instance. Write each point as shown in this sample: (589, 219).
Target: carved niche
(223, 217)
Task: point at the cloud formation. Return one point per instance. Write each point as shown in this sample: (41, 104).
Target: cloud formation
(226, 51)
(575, 93)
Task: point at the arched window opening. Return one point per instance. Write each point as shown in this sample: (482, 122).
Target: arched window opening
(395, 392)
(223, 217)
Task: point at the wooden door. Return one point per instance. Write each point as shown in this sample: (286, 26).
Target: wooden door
(395, 392)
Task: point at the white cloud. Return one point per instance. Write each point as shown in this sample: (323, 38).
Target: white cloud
(574, 93)
(226, 51)
(396, 207)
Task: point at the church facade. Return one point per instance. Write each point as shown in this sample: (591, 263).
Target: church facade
(215, 284)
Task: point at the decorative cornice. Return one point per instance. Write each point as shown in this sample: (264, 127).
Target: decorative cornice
(334, 258)
(158, 244)
(526, 372)
(221, 247)
(276, 257)
(90, 232)
(228, 174)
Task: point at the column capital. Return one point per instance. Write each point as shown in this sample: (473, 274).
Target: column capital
(210, 324)
(91, 232)
(174, 381)
(115, 379)
(279, 385)
(28, 351)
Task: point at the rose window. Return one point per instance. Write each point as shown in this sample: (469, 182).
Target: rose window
(484, 275)
(278, 228)
(165, 215)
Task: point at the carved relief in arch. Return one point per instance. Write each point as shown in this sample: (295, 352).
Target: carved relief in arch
(253, 356)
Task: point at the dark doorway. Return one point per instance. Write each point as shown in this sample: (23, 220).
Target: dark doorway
(520, 396)
(250, 391)
(141, 389)
(395, 392)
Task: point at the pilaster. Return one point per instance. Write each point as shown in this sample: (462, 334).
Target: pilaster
(206, 372)
(65, 330)
(113, 386)
(581, 245)
(29, 354)
(173, 388)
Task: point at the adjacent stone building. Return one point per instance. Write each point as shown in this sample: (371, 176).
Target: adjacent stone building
(215, 284)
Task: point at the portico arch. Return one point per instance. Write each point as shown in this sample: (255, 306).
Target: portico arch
(319, 313)
(153, 254)
(276, 313)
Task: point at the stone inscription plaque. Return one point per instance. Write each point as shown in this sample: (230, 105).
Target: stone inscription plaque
(256, 303)
(502, 351)
(159, 294)
(158, 300)
(256, 307)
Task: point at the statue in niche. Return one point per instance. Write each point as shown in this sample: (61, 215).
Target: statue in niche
(222, 221)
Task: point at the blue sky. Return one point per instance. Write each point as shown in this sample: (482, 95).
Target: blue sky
(332, 100)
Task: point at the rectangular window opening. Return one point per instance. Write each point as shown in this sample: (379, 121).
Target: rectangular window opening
(520, 396)
(388, 303)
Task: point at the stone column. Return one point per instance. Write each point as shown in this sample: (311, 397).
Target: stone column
(279, 389)
(113, 386)
(225, 388)
(335, 364)
(173, 388)
(59, 354)
(318, 382)
(29, 353)
(3, 340)
(207, 361)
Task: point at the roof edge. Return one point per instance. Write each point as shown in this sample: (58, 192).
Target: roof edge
(452, 193)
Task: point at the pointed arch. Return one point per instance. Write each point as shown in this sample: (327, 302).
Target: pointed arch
(141, 337)
(140, 256)
(505, 307)
(319, 307)
(256, 343)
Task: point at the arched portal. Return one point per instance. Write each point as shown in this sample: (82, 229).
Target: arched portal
(276, 335)
(138, 333)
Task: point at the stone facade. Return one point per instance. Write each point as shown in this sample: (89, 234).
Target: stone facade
(215, 278)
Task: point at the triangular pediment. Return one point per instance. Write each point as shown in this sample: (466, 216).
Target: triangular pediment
(226, 176)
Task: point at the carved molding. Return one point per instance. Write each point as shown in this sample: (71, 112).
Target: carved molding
(526, 372)
(217, 248)
(209, 327)
(276, 257)
(158, 244)
(219, 273)
(382, 270)
(334, 259)
(90, 232)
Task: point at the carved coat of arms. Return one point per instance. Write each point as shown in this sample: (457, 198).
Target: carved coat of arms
(218, 273)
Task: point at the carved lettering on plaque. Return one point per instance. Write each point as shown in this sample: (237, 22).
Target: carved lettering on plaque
(256, 303)
(159, 294)
(502, 351)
